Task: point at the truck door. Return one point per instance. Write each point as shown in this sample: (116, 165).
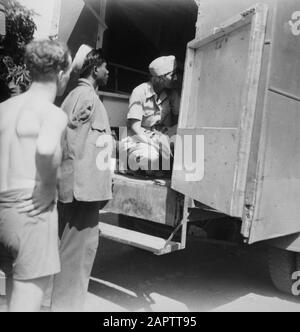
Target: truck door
(220, 95)
(277, 208)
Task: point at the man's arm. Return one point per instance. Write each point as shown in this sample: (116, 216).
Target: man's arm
(135, 117)
(47, 163)
(136, 128)
(48, 143)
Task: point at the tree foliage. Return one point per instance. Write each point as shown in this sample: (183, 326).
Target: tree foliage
(20, 29)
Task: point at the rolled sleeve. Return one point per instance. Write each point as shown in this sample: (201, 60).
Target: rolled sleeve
(136, 110)
(81, 113)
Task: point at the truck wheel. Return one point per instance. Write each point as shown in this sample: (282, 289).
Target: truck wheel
(282, 265)
(298, 261)
(297, 277)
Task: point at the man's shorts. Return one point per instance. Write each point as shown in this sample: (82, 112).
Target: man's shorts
(31, 244)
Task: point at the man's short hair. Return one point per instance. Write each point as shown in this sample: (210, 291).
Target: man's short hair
(94, 59)
(46, 58)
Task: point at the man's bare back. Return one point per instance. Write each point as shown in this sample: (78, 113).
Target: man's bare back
(24, 122)
(31, 130)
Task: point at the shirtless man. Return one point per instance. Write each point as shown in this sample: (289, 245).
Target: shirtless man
(31, 128)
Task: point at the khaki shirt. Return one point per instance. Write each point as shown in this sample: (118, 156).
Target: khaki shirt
(79, 176)
(153, 110)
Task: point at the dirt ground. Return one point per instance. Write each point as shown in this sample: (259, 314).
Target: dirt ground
(204, 277)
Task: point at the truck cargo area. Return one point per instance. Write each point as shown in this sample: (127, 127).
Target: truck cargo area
(151, 200)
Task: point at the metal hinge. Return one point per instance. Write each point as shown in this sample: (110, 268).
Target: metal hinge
(247, 220)
(248, 12)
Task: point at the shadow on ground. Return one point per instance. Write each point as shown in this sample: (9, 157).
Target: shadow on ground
(204, 277)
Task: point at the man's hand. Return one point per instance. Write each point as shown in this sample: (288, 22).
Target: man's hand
(42, 198)
(162, 143)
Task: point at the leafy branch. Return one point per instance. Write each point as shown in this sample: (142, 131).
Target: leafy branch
(20, 29)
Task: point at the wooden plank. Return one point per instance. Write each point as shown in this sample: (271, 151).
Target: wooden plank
(130, 69)
(54, 29)
(101, 28)
(131, 237)
(254, 160)
(224, 29)
(187, 86)
(143, 241)
(114, 95)
(213, 12)
(249, 105)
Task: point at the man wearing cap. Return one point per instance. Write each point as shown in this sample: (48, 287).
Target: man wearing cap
(153, 111)
(84, 185)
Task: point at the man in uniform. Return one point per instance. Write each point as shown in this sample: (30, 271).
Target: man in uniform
(84, 185)
(152, 118)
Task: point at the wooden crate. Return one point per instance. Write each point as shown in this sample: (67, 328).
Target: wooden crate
(145, 199)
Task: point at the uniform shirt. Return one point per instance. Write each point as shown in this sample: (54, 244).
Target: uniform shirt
(79, 176)
(153, 110)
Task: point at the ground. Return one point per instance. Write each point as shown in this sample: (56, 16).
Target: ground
(205, 277)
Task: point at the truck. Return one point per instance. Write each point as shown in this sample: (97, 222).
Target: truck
(236, 175)
(240, 115)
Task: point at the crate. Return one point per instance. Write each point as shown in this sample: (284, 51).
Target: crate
(146, 199)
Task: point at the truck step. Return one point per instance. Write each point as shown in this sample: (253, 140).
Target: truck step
(2, 284)
(156, 245)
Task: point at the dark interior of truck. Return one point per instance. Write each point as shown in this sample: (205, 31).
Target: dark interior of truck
(140, 31)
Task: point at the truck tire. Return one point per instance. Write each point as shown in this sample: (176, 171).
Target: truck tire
(298, 261)
(296, 290)
(282, 265)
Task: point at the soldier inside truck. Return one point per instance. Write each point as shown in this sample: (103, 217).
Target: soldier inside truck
(137, 34)
(152, 122)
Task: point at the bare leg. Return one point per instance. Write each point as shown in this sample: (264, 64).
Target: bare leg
(46, 305)
(27, 296)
